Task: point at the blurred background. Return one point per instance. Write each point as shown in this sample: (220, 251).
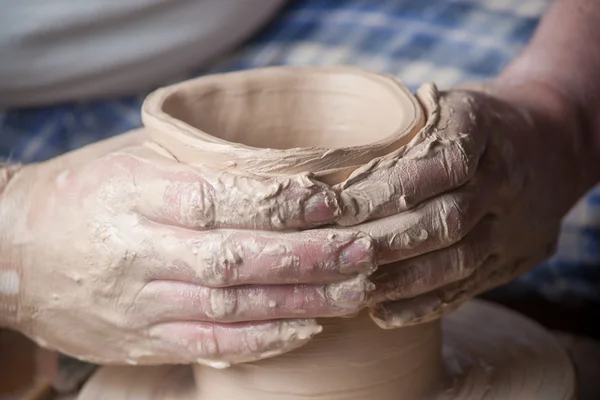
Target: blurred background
(444, 41)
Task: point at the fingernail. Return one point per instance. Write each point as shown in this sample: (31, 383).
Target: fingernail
(280, 337)
(321, 208)
(358, 256)
(387, 319)
(349, 294)
(291, 334)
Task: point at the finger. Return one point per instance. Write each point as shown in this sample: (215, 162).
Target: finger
(231, 258)
(433, 305)
(419, 175)
(218, 345)
(445, 160)
(436, 224)
(176, 194)
(415, 276)
(163, 301)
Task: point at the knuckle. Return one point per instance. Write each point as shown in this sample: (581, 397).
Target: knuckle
(252, 202)
(208, 345)
(222, 304)
(405, 281)
(253, 343)
(111, 252)
(123, 321)
(350, 294)
(130, 317)
(453, 219)
(191, 204)
(219, 258)
(300, 302)
(306, 271)
(418, 277)
(463, 260)
(463, 159)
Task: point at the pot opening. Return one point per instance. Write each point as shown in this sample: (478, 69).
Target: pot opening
(290, 109)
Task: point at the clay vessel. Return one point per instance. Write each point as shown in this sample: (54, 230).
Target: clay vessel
(333, 122)
(336, 120)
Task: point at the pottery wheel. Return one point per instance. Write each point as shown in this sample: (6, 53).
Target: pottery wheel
(490, 353)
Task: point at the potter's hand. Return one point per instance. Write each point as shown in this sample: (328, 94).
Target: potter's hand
(118, 254)
(475, 203)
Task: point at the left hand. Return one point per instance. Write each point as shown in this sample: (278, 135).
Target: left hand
(471, 204)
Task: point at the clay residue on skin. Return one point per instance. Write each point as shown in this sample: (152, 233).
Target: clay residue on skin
(310, 123)
(10, 279)
(224, 258)
(307, 125)
(9, 283)
(283, 201)
(286, 338)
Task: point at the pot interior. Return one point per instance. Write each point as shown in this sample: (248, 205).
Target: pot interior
(290, 109)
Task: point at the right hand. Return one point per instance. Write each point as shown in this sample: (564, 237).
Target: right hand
(125, 256)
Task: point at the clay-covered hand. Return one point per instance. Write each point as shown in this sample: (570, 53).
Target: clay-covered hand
(120, 255)
(472, 203)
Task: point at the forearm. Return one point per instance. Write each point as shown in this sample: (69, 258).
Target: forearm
(9, 272)
(564, 58)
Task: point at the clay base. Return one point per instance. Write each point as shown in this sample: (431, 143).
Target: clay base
(490, 353)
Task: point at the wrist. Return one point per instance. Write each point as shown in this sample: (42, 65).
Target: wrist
(10, 271)
(557, 139)
(559, 96)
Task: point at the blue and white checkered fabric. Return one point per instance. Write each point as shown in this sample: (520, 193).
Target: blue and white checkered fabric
(445, 41)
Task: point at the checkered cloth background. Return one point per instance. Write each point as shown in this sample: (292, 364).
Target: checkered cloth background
(445, 41)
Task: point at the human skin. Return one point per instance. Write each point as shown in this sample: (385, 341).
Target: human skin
(540, 127)
(489, 196)
(115, 254)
